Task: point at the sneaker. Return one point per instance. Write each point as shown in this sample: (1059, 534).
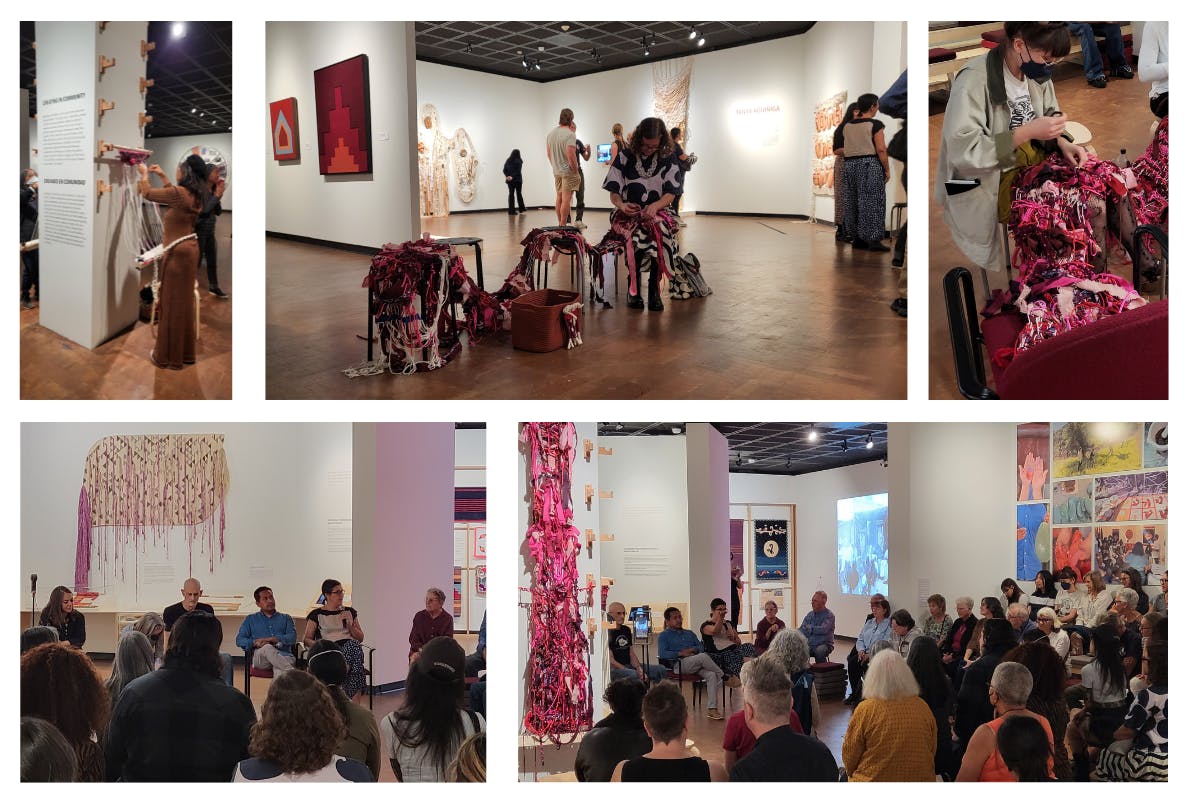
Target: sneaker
(1124, 72)
(733, 681)
(715, 713)
(1100, 82)
(216, 292)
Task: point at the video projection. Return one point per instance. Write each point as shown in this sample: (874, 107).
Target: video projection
(863, 544)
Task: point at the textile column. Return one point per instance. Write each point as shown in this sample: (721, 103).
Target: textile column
(708, 519)
(403, 539)
(89, 288)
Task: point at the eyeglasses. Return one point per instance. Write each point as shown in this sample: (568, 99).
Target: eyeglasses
(721, 610)
(876, 605)
(338, 591)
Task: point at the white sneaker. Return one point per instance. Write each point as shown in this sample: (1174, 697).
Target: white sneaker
(682, 224)
(581, 224)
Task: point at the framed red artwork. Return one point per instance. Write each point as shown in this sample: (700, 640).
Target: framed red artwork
(285, 132)
(344, 117)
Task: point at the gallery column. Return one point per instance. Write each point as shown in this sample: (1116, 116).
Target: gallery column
(89, 90)
(403, 539)
(708, 518)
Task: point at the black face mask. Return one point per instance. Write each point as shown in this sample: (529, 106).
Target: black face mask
(1039, 73)
(1065, 585)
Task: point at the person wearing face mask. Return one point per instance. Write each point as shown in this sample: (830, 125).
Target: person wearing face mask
(1003, 115)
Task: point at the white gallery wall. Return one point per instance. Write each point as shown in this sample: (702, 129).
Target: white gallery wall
(368, 209)
(170, 150)
(470, 469)
(287, 481)
(749, 162)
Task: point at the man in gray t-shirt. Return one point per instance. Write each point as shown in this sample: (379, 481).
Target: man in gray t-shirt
(560, 150)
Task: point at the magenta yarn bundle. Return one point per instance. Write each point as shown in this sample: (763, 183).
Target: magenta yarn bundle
(559, 705)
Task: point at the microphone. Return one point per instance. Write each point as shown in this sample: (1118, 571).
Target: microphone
(33, 582)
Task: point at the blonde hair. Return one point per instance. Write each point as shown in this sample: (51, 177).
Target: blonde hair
(470, 765)
(889, 678)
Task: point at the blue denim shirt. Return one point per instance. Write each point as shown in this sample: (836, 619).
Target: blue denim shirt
(671, 641)
(873, 632)
(260, 626)
(818, 627)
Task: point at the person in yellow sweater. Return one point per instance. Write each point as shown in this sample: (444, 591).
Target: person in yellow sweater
(892, 735)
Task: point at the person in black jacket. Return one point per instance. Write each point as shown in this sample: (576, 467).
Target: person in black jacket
(960, 634)
(61, 615)
(29, 258)
(512, 176)
(206, 228)
(618, 736)
(974, 707)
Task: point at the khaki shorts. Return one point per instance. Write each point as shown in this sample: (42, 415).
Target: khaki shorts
(566, 183)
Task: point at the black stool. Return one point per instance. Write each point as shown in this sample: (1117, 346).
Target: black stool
(452, 304)
(472, 241)
(541, 269)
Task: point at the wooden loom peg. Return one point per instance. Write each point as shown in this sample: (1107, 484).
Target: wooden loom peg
(143, 118)
(590, 538)
(606, 451)
(103, 147)
(106, 63)
(607, 537)
(606, 495)
(144, 83)
(102, 187)
(587, 450)
(102, 25)
(591, 631)
(147, 47)
(106, 105)
(588, 493)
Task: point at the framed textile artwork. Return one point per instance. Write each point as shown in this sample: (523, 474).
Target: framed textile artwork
(344, 117)
(285, 139)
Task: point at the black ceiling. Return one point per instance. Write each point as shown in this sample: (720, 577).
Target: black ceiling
(584, 48)
(194, 71)
(780, 448)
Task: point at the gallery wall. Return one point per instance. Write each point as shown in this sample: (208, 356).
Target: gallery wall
(368, 209)
(749, 162)
(168, 151)
(287, 481)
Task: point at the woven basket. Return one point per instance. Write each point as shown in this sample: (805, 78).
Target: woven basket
(537, 324)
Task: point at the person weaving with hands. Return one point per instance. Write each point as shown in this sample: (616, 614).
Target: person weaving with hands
(642, 183)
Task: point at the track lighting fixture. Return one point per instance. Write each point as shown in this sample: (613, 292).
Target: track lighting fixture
(468, 47)
(751, 460)
(692, 35)
(537, 65)
(676, 430)
(701, 42)
(739, 460)
(870, 441)
(845, 446)
(812, 433)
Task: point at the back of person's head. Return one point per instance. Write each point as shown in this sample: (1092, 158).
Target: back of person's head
(1156, 654)
(767, 686)
(566, 116)
(1012, 683)
(1033, 635)
(195, 180)
(1052, 37)
(38, 634)
(790, 646)
(134, 658)
(1107, 643)
(851, 110)
(664, 712)
(300, 726)
(327, 664)
(878, 646)
(434, 696)
(59, 684)
(866, 102)
(470, 766)
(46, 755)
(1160, 630)
(675, 132)
(925, 662)
(998, 633)
(196, 644)
(515, 155)
(152, 625)
(889, 678)
(624, 696)
(1023, 745)
(904, 619)
(618, 130)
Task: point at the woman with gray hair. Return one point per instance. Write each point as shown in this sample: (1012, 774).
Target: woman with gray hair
(790, 648)
(134, 658)
(892, 735)
(432, 622)
(152, 626)
(1047, 623)
(1008, 691)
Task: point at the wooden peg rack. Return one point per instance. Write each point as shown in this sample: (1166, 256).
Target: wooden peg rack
(106, 63)
(106, 105)
(147, 47)
(144, 83)
(102, 188)
(143, 118)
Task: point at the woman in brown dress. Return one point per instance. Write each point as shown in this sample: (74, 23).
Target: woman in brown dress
(176, 343)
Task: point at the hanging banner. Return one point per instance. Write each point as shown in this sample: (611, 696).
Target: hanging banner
(771, 549)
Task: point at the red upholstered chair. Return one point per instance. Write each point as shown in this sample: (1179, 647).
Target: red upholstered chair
(993, 38)
(673, 674)
(252, 671)
(939, 54)
(1123, 357)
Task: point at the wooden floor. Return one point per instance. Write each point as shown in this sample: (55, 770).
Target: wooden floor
(54, 368)
(1118, 117)
(792, 315)
(707, 734)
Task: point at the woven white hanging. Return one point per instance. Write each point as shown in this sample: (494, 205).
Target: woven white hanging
(672, 88)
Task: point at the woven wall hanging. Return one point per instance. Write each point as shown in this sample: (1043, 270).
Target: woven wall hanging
(672, 88)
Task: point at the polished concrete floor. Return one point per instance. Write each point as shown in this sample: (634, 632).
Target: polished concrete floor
(792, 315)
(55, 368)
(1118, 116)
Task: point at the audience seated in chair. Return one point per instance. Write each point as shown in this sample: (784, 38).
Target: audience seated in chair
(152, 626)
(1106, 685)
(818, 627)
(724, 643)
(878, 627)
(1048, 696)
(429, 623)
(974, 704)
(780, 753)
(664, 714)
(938, 623)
(904, 631)
(1024, 750)
(1139, 750)
(1056, 637)
(422, 737)
(134, 658)
(791, 649)
(46, 755)
(767, 627)
(297, 738)
(681, 648)
(961, 632)
(60, 685)
(1018, 617)
(38, 634)
(268, 636)
(181, 722)
(938, 693)
(619, 736)
(1008, 690)
(191, 592)
(362, 742)
(338, 623)
(623, 661)
(892, 735)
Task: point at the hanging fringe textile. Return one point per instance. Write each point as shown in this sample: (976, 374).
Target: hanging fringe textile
(134, 486)
(465, 162)
(672, 89)
(559, 705)
(1058, 289)
(142, 226)
(1149, 199)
